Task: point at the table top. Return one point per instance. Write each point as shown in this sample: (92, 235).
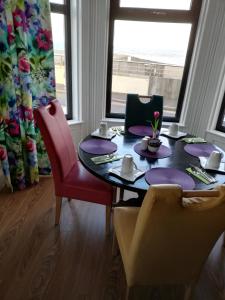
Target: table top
(179, 160)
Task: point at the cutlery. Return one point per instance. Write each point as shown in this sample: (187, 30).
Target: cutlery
(202, 172)
(198, 175)
(105, 158)
(194, 140)
(117, 130)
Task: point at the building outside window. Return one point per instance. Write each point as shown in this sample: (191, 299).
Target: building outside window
(221, 119)
(150, 49)
(60, 19)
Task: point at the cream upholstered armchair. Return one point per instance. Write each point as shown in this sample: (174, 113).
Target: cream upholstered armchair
(166, 241)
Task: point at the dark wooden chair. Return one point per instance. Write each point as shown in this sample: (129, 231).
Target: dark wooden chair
(138, 113)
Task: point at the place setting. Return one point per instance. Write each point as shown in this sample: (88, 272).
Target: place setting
(213, 162)
(169, 176)
(199, 173)
(118, 130)
(141, 130)
(98, 146)
(202, 149)
(128, 170)
(103, 132)
(152, 148)
(173, 132)
(102, 159)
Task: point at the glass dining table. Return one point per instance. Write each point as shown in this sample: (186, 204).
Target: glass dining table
(176, 157)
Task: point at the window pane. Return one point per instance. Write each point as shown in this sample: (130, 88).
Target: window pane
(160, 4)
(57, 1)
(148, 63)
(58, 32)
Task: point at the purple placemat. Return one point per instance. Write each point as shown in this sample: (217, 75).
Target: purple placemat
(140, 130)
(97, 146)
(161, 153)
(199, 149)
(169, 176)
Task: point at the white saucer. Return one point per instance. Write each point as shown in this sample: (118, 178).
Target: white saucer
(179, 134)
(203, 163)
(129, 177)
(108, 136)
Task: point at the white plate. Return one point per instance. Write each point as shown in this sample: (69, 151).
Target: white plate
(203, 161)
(179, 134)
(129, 177)
(109, 135)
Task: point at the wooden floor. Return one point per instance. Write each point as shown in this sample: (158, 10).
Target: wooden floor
(72, 261)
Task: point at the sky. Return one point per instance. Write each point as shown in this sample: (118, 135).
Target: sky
(163, 42)
(166, 4)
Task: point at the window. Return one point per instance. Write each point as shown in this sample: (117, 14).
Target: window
(60, 19)
(150, 48)
(221, 119)
(160, 4)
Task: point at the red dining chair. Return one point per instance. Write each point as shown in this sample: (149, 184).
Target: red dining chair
(71, 179)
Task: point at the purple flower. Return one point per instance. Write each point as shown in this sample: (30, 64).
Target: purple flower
(11, 102)
(1, 6)
(28, 10)
(44, 100)
(32, 159)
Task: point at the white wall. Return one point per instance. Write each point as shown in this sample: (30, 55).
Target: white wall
(206, 82)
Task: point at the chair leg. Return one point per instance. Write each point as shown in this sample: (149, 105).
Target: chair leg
(107, 219)
(188, 293)
(115, 246)
(121, 194)
(58, 209)
(128, 293)
(114, 195)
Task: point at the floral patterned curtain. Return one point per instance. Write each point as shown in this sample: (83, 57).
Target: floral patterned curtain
(27, 80)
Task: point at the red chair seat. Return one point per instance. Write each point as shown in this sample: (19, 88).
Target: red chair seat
(82, 185)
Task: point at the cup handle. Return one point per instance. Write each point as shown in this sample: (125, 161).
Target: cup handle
(135, 166)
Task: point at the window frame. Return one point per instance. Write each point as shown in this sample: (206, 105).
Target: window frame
(64, 9)
(152, 15)
(219, 124)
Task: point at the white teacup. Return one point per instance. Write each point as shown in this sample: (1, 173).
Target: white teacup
(144, 143)
(127, 164)
(103, 127)
(173, 129)
(214, 160)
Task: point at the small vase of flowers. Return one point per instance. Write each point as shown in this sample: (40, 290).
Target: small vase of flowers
(154, 142)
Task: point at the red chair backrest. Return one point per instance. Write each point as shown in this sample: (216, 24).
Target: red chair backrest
(57, 138)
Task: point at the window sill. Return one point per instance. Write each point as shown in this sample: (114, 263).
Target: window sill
(121, 122)
(74, 122)
(216, 133)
